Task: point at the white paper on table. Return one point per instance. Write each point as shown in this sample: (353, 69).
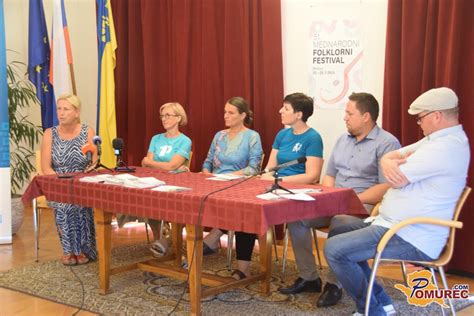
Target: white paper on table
(305, 190)
(298, 197)
(143, 183)
(96, 179)
(226, 177)
(125, 176)
(114, 181)
(170, 188)
(269, 196)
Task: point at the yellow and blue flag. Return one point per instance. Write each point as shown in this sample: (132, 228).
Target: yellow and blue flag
(107, 44)
(39, 63)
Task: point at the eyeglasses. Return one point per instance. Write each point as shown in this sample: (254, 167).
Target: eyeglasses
(419, 118)
(167, 116)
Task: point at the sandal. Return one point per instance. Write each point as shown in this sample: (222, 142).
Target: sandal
(69, 260)
(82, 259)
(159, 248)
(238, 275)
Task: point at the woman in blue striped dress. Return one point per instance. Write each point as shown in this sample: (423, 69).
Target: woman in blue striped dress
(61, 153)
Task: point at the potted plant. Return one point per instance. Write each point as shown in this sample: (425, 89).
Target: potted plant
(24, 135)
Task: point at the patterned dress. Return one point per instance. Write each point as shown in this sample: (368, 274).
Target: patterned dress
(75, 223)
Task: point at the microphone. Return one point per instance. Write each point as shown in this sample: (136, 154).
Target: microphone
(88, 150)
(286, 164)
(97, 141)
(117, 144)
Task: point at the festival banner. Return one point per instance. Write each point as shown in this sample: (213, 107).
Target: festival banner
(336, 64)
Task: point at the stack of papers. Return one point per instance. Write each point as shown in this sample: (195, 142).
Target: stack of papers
(142, 183)
(125, 179)
(96, 179)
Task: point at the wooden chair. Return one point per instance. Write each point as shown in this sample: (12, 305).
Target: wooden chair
(439, 263)
(39, 204)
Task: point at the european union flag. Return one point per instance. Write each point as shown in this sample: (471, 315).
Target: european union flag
(38, 63)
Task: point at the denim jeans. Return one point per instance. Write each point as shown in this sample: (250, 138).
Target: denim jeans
(347, 250)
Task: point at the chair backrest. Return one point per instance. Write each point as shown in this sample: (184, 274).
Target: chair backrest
(261, 162)
(447, 252)
(187, 163)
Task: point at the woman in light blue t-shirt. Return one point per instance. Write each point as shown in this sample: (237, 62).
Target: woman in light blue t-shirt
(170, 150)
(167, 151)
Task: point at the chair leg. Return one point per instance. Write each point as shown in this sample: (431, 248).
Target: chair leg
(404, 271)
(375, 265)
(230, 245)
(36, 228)
(162, 225)
(445, 285)
(146, 230)
(285, 249)
(274, 243)
(315, 237)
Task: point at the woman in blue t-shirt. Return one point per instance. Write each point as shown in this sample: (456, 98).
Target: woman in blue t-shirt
(299, 140)
(236, 150)
(167, 151)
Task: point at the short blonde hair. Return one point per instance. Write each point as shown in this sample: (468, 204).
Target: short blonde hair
(73, 100)
(178, 110)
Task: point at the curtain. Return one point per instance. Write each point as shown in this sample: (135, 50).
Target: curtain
(430, 43)
(200, 54)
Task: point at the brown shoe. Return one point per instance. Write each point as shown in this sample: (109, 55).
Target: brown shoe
(82, 259)
(69, 260)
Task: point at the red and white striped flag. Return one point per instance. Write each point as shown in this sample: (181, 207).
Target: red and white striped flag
(61, 54)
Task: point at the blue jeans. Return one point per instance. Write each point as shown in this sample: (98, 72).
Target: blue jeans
(347, 250)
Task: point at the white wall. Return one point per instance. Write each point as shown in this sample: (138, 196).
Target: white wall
(297, 16)
(81, 18)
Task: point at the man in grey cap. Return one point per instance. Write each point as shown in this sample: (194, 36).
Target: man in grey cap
(426, 180)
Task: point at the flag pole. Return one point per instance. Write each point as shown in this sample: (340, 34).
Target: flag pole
(73, 79)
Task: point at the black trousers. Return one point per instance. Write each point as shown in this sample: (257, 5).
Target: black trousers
(244, 243)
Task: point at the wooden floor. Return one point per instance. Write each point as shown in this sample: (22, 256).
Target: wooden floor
(21, 253)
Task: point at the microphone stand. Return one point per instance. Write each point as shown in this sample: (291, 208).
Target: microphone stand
(276, 185)
(122, 166)
(97, 165)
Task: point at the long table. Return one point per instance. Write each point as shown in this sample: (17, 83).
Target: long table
(235, 209)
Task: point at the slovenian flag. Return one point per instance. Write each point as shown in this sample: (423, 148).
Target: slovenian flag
(107, 44)
(61, 55)
(39, 63)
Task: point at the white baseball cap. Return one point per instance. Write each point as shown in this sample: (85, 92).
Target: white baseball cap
(434, 100)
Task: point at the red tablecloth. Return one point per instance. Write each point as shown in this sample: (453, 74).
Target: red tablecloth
(236, 208)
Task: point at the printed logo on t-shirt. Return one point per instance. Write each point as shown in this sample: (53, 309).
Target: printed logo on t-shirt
(297, 147)
(166, 149)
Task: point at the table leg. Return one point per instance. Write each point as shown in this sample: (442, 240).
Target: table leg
(265, 244)
(177, 241)
(194, 250)
(103, 233)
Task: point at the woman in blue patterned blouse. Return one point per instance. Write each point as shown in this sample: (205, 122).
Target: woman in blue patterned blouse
(236, 150)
